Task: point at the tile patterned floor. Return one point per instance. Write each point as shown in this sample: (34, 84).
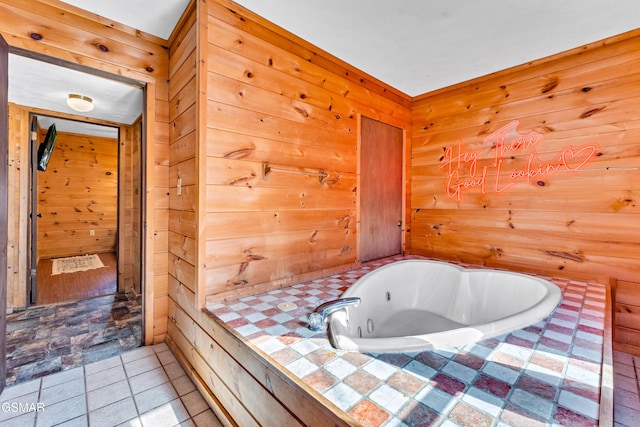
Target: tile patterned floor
(141, 387)
(515, 377)
(547, 373)
(51, 338)
(626, 392)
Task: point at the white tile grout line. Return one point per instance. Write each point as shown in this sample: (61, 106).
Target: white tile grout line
(43, 383)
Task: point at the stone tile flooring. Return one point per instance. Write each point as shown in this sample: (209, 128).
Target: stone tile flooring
(51, 338)
(142, 387)
(626, 391)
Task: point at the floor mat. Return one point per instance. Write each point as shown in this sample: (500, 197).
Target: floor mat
(76, 263)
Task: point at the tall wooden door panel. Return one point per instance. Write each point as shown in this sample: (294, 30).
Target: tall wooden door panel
(380, 190)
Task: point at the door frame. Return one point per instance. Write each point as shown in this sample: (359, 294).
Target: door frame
(33, 215)
(148, 91)
(32, 286)
(4, 202)
(404, 227)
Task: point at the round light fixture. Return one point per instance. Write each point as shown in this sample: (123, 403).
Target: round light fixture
(80, 102)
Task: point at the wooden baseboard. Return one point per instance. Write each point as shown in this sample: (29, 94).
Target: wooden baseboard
(606, 389)
(218, 409)
(627, 348)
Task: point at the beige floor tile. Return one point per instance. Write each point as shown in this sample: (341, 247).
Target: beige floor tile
(194, 403)
(147, 380)
(113, 414)
(167, 415)
(183, 385)
(144, 364)
(107, 395)
(62, 411)
(154, 397)
(106, 377)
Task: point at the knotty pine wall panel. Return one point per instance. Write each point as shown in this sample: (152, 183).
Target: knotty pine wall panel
(273, 98)
(130, 234)
(183, 112)
(18, 223)
(77, 193)
(128, 191)
(562, 199)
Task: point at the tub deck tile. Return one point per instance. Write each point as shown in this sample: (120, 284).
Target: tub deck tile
(546, 373)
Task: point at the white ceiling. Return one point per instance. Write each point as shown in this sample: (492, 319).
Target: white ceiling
(415, 46)
(418, 46)
(46, 86)
(157, 17)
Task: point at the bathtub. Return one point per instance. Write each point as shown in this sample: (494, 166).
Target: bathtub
(417, 305)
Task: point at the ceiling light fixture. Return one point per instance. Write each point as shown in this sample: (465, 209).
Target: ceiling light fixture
(80, 102)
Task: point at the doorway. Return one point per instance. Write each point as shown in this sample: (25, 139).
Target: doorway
(105, 212)
(74, 209)
(381, 159)
(76, 331)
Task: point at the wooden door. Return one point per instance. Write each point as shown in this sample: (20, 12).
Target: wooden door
(4, 202)
(33, 212)
(380, 189)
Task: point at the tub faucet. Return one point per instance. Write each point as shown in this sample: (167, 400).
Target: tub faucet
(319, 315)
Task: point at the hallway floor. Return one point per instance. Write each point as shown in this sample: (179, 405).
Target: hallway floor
(79, 285)
(45, 339)
(141, 387)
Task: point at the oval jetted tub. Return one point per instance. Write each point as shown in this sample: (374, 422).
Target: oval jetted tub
(417, 305)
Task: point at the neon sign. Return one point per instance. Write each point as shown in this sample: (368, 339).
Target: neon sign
(465, 172)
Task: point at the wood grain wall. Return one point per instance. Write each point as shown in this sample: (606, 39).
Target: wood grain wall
(77, 193)
(18, 223)
(65, 33)
(129, 209)
(243, 93)
(575, 210)
(183, 149)
(273, 98)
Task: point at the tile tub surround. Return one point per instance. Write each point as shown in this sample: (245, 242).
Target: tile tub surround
(547, 373)
(141, 387)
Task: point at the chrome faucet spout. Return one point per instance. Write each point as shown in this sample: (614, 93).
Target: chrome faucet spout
(320, 314)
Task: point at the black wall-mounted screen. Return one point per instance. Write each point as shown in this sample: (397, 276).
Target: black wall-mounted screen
(46, 147)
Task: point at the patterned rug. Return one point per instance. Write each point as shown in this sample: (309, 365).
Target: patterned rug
(76, 263)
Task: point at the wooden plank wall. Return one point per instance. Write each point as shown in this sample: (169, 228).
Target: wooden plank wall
(129, 209)
(64, 32)
(273, 98)
(125, 209)
(183, 210)
(136, 207)
(244, 92)
(626, 312)
(574, 212)
(18, 185)
(76, 194)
